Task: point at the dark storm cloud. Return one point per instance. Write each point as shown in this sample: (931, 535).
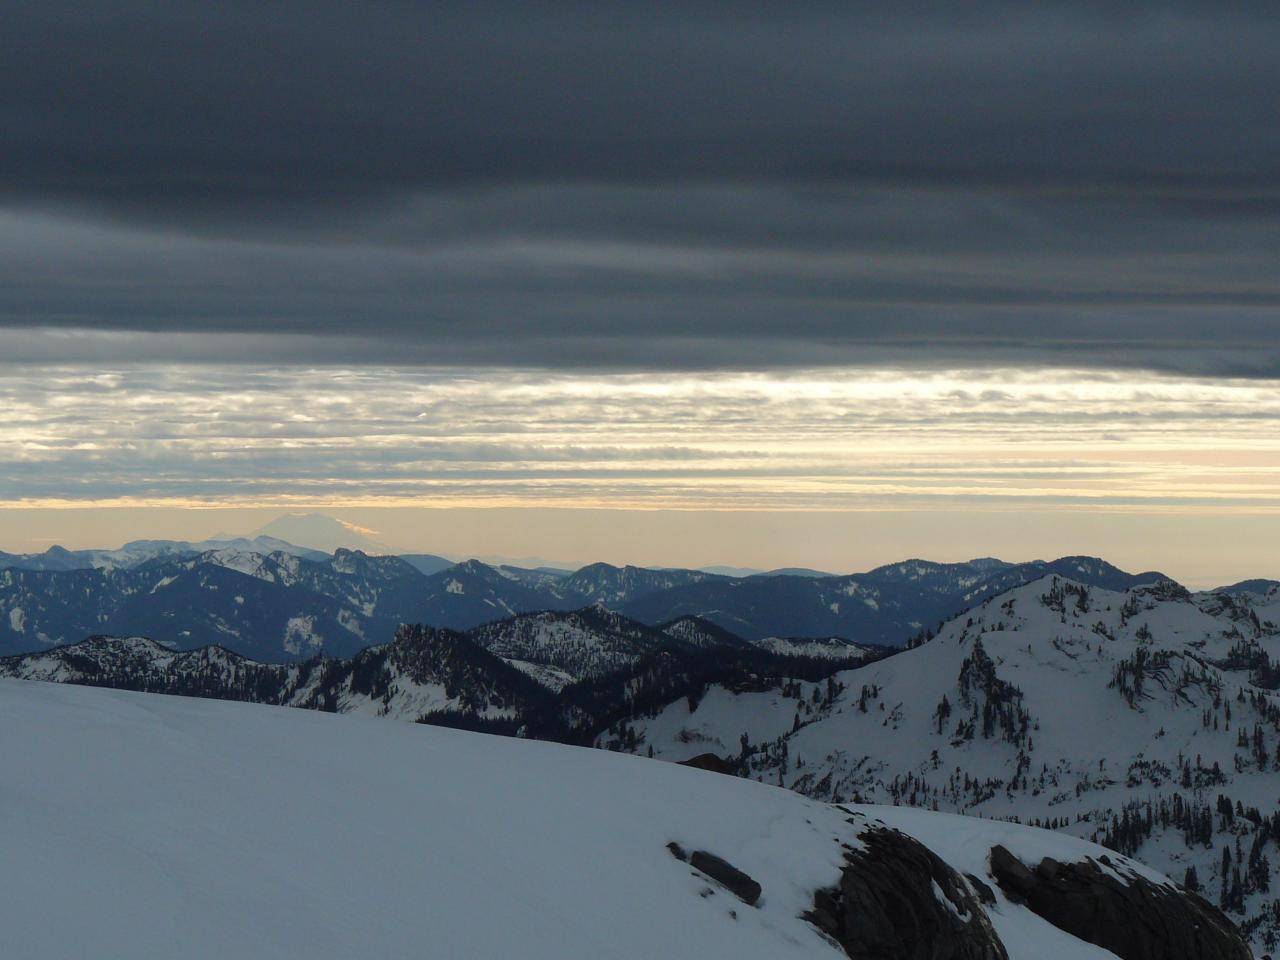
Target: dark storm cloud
(290, 99)
(643, 185)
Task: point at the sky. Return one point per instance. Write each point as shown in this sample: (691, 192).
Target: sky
(763, 284)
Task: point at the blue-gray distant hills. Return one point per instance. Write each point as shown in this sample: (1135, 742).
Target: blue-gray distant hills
(1259, 587)
(274, 602)
(888, 605)
(275, 606)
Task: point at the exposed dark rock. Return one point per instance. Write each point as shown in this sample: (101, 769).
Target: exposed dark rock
(887, 906)
(1135, 919)
(984, 892)
(709, 761)
(727, 875)
(1012, 874)
(677, 851)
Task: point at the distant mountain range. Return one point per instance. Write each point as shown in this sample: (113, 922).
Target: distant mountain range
(276, 606)
(274, 601)
(887, 605)
(561, 675)
(139, 551)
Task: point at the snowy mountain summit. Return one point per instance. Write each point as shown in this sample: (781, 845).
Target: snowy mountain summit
(158, 827)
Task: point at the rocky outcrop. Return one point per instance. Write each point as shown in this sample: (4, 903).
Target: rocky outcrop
(897, 900)
(708, 761)
(1132, 917)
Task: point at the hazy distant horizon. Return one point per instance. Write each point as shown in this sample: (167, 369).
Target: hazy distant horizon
(850, 542)
(827, 468)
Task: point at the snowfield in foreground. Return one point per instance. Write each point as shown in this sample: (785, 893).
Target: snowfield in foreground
(145, 826)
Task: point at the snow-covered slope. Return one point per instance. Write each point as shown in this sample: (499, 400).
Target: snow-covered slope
(831, 648)
(1146, 718)
(185, 828)
(422, 675)
(578, 645)
(151, 827)
(699, 634)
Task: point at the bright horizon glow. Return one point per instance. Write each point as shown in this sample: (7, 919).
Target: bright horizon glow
(1041, 450)
(852, 440)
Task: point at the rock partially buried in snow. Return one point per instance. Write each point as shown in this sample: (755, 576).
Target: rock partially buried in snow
(727, 875)
(1128, 914)
(740, 884)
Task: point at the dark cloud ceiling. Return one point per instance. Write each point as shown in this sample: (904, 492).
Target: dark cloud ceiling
(642, 185)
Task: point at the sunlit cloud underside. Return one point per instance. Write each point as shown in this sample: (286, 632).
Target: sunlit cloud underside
(846, 440)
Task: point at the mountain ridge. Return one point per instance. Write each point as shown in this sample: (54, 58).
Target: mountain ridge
(313, 606)
(551, 674)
